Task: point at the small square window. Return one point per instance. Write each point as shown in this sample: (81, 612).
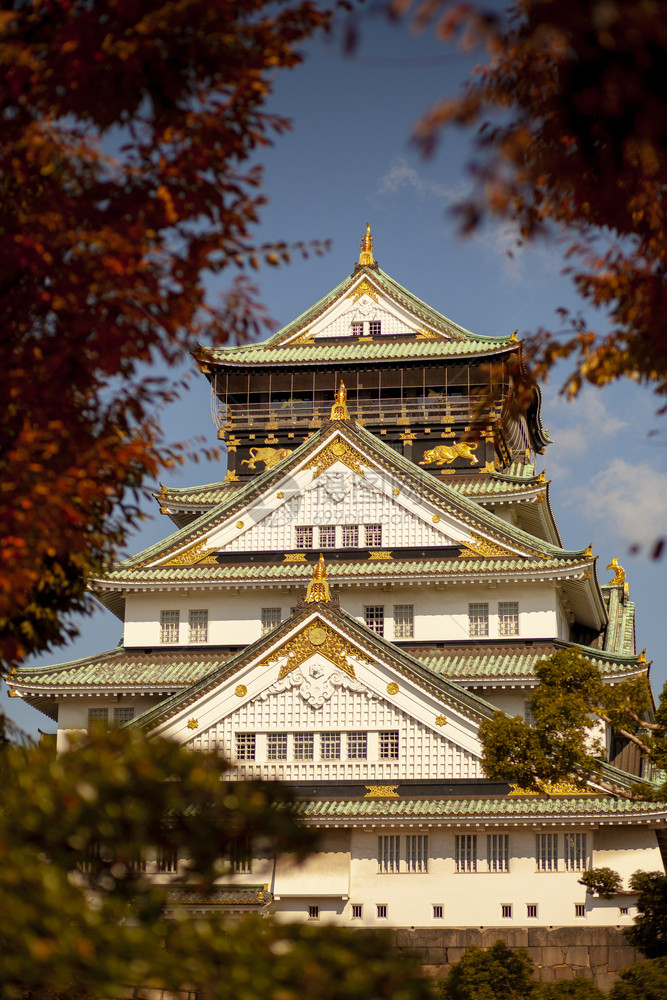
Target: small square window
(374, 618)
(350, 536)
(304, 537)
(169, 626)
(357, 746)
(357, 329)
(98, 718)
(357, 911)
(508, 618)
(382, 911)
(623, 911)
(373, 534)
(330, 746)
(580, 909)
(276, 746)
(122, 715)
(313, 913)
(198, 625)
(437, 911)
(328, 536)
(270, 618)
(531, 910)
(245, 746)
(304, 744)
(478, 620)
(506, 911)
(404, 621)
(375, 328)
(388, 744)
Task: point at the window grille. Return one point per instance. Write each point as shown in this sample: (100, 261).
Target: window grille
(546, 851)
(508, 618)
(137, 861)
(198, 625)
(357, 746)
(276, 746)
(404, 621)
(506, 911)
(382, 911)
(167, 860)
(373, 534)
(313, 913)
(169, 626)
(122, 715)
(574, 852)
(528, 714)
(304, 745)
(98, 718)
(389, 854)
(416, 853)
(498, 852)
(330, 746)
(623, 911)
(270, 618)
(357, 329)
(374, 618)
(304, 537)
(466, 852)
(375, 328)
(357, 910)
(350, 536)
(245, 746)
(580, 909)
(92, 857)
(437, 911)
(478, 620)
(328, 536)
(531, 910)
(388, 742)
(240, 858)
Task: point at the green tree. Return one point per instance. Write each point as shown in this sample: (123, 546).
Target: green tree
(603, 881)
(643, 981)
(649, 930)
(571, 989)
(495, 973)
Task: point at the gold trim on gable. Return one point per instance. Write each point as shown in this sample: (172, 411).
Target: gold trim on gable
(365, 288)
(320, 638)
(337, 451)
(196, 553)
(483, 547)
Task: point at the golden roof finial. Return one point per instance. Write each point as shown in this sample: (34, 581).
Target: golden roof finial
(318, 587)
(589, 550)
(618, 571)
(514, 337)
(339, 409)
(642, 656)
(366, 254)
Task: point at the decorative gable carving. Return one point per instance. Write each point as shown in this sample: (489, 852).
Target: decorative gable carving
(316, 681)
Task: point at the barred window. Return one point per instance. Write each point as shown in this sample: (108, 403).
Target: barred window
(498, 852)
(313, 913)
(169, 626)
(270, 618)
(506, 911)
(330, 746)
(304, 745)
(388, 743)
(357, 910)
(437, 911)
(373, 533)
(198, 625)
(357, 746)
(580, 909)
(92, 857)
(531, 910)
(528, 714)
(382, 911)
(374, 618)
(389, 854)
(167, 860)
(546, 852)
(137, 862)
(357, 329)
(375, 328)
(122, 715)
(245, 746)
(304, 537)
(574, 852)
(478, 620)
(416, 853)
(240, 858)
(98, 718)
(351, 536)
(508, 618)
(404, 621)
(328, 536)
(276, 746)
(465, 852)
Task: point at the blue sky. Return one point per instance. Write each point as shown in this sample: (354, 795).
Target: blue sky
(347, 160)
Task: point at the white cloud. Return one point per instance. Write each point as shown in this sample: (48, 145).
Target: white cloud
(400, 176)
(629, 497)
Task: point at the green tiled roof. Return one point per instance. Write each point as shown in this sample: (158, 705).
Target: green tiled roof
(493, 486)
(620, 634)
(223, 895)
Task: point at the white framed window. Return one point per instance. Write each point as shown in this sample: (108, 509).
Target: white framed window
(245, 746)
(382, 911)
(531, 910)
(304, 746)
(357, 911)
(574, 852)
(506, 911)
(465, 852)
(276, 746)
(404, 621)
(374, 618)
(303, 537)
(169, 626)
(270, 618)
(357, 329)
(122, 715)
(198, 625)
(508, 618)
(313, 913)
(357, 746)
(546, 852)
(167, 860)
(98, 718)
(330, 746)
(350, 538)
(388, 744)
(437, 911)
(327, 533)
(498, 852)
(373, 535)
(623, 911)
(375, 328)
(580, 909)
(478, 620)
(389, 854)
(416, 853)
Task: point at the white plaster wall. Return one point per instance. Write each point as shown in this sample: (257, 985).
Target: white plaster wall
(73, 713)
(337, 320)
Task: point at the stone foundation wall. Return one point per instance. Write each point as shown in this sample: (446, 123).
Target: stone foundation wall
(597, 953)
